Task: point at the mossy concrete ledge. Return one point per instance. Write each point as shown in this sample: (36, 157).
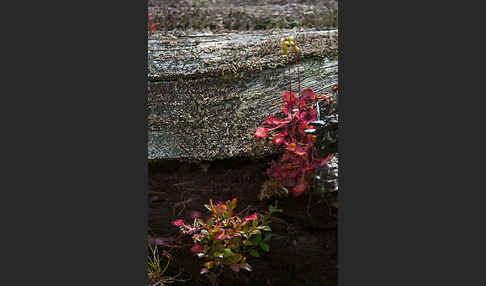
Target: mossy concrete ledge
(207, 93)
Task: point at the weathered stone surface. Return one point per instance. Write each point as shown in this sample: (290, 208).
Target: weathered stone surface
(207, 93)
(220, 15)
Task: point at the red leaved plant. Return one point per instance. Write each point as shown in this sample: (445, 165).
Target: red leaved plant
(225, 239)
(298, 164)
(151, 26)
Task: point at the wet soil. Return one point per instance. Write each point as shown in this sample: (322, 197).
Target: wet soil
(303, 249)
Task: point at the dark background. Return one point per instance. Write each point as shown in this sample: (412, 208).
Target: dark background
(74, 145)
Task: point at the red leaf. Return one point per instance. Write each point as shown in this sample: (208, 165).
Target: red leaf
(251, 217)
(308, 93)
(271, 120)
(220, 208)
(303, 115)
(299, 151)
(279, 138)
(196, 248)
(311, 115)
(293, 174)
(287, 157)
(324, 161)
(233, 206)
(222, 236)
(291, 146)
(195, 214)
(300, 188)
(153, 27)
(302, 103)
(178, 222)
(261, 132)
(296, 149)
(289, 98)
(285, 110)
(302, 127)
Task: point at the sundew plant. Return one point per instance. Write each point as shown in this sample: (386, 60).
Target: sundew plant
(296, 167)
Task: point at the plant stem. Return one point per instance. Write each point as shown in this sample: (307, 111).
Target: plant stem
(298, 74)
(290, 79)
(298, 70)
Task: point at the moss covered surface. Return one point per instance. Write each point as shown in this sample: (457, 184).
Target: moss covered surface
(225, 15)
(210, 109)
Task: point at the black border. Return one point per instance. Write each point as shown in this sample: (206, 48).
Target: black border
(75, 147)
(75, 143)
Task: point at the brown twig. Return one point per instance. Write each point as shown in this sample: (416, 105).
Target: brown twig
(183, 203)
(182, 183)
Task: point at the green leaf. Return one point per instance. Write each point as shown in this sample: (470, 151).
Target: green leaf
(209, 264)
(266, 228)
(265, 246)
(258, 237)
(256, 231)
(247, 242)
(228, 252)
(273, 209)
(254, 252)
(268, 236)
(246, 266)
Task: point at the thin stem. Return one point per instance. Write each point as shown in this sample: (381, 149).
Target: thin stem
(290, 79)
(298, 74)
(167, 265)
(298, 69)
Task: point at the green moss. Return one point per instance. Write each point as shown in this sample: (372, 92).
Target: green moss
(202, 16)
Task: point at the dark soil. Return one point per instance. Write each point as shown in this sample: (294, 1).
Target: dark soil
(303, 249)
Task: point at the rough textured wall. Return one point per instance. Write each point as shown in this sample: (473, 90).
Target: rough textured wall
(220, 15)
(208, 92)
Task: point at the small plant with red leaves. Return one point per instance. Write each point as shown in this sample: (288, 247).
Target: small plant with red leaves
(151, 26)
(297, 165)
(225, 239)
